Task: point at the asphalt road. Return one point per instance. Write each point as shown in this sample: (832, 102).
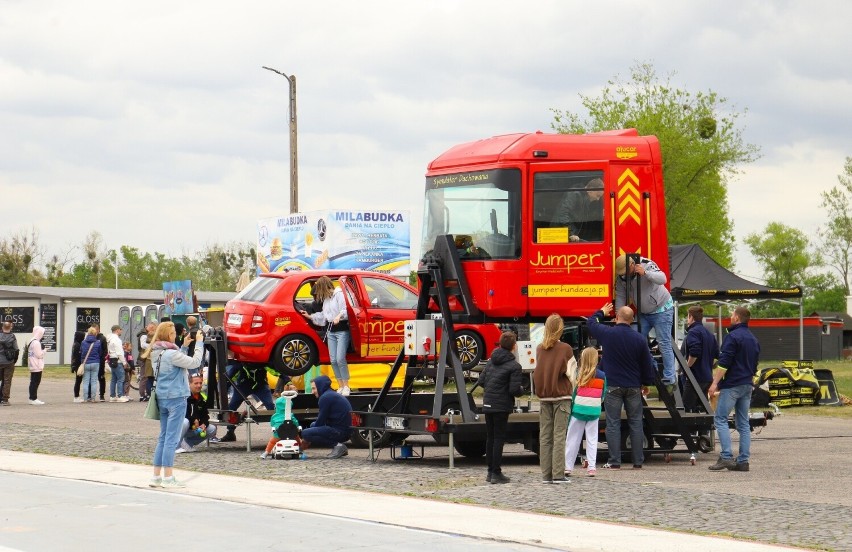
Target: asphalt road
(798, 492)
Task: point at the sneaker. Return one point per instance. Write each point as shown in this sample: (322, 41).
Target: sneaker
(567, 473)
(171, 483)
(113, 399)
(609, 466)
(264, 455)
(122, 399)
(228, 437)
(592, 472)
(722, 464)
(546, 481)
(561, 480)
(102, 399)
(497, 478)
(740, 466)
(637, 466)
(78, 400)
(180, 450)
(214, 440)
(4, 403)
(345, 391)
(36, 402)
(155, 482)
(340, 451)
(488, 477)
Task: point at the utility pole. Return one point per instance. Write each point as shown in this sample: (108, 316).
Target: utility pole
(294, 164)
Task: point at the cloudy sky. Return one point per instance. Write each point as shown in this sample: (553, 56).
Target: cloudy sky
(154, 124)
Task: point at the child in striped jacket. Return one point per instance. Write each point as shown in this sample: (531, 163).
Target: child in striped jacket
(586, 411)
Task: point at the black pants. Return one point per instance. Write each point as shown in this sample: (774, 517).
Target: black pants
(35, 380)
(78, 380)
(102, 379)
(495, 436)
(691, 401)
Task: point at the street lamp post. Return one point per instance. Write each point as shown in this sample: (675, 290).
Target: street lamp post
(294, 166)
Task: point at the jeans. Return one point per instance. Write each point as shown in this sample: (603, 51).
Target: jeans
(90, 381)
(338, 344)
(191, 436)
(116, 383)
(35, 381)
(662, 324)
(323, 436)
(172, 414)
(495, 436)
(631, 399)
(576, 428)
(737, 399)
(553, 426)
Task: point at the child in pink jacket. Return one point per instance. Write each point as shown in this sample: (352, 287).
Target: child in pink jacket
(35, 360)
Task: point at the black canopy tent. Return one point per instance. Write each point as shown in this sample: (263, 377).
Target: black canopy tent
(696, 278)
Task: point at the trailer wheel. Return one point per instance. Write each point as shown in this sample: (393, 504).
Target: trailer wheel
(704, 444)
(470, 349)
(470, 449)
(294, 355)
(667, 443)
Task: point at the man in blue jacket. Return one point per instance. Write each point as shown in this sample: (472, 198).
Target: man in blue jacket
(333, 424)
(629, 368)
(701, 351)
(733, 378)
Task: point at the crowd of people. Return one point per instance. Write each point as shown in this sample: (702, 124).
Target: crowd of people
(571, 396)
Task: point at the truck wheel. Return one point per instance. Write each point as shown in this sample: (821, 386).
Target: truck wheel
(294, 355)
(470, 449)
(361, 438)
(470, 349)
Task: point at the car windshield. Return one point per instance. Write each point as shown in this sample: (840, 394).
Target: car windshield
(259, 289)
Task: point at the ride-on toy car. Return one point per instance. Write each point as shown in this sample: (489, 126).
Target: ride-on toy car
(264, 326)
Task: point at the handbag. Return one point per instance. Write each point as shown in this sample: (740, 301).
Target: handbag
(82, 368)
(152, 412)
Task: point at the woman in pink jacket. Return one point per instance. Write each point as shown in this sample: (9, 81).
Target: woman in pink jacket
(35, 360)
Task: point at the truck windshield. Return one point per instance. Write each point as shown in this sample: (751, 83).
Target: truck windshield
(481, 210)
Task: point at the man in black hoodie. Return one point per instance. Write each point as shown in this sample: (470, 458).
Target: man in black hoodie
(333, 424)
(8, 358)
(501, 380)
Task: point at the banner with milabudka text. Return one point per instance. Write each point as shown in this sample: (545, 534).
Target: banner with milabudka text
(336, 239)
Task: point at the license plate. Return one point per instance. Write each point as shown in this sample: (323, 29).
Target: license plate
(392, 422)
(235, 319)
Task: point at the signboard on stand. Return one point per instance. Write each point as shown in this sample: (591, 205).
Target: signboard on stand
(336, 239)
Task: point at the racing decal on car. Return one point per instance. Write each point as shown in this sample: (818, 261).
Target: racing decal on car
(282, 321)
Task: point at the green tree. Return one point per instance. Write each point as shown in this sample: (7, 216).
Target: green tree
(19, 254)
(823, 293)
(218, 267)
(783, 253)
(701, 145)
(836, 235)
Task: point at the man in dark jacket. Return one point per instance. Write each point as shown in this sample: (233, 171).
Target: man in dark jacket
(701, 351)
(733, 378)
(629, 368)
(501, 380)
(8, 358)
(247, 379)
(334, 419)
(101, 362)
(197, 417)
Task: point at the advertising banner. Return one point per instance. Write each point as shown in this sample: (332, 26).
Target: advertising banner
(178, 297)
(86, 316)
(336, 239)
(22, 318)
(47, 320)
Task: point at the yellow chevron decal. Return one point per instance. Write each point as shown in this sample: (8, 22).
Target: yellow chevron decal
(628, 198)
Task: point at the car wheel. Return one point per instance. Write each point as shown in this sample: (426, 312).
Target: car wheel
(470, 349)
(294, 355)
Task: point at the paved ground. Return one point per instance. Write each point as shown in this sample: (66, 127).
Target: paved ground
(798, 493)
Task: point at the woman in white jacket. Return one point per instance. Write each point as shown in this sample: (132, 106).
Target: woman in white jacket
(336, 320)
(35, 360)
